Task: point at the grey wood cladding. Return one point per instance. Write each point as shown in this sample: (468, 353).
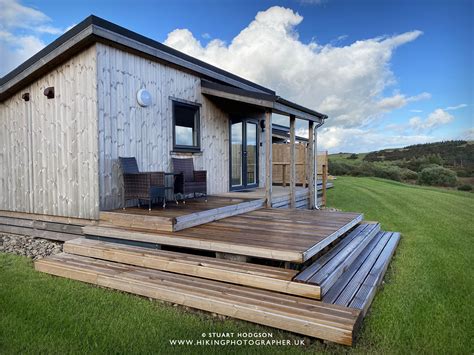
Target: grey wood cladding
(48, 147)
(126, 129)
(59, 156)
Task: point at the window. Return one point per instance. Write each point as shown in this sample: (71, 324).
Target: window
(185, 127)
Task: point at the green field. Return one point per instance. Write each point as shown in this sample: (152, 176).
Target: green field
(425, 305)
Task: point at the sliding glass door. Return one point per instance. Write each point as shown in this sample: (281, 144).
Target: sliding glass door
(244, 154)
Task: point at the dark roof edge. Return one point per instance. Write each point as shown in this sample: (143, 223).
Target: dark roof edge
(301, 108)
(97, 21)
(237, 91)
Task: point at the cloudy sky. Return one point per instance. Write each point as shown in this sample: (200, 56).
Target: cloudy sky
(388, 73)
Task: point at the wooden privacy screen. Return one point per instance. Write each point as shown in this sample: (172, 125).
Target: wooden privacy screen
(281, 163)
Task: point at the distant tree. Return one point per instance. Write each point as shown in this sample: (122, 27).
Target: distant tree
(353, 156)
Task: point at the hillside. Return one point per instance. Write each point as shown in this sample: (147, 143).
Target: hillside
(447, 164)
(455, 154)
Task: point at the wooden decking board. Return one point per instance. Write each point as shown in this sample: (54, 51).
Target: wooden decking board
(37, 233)
(329, 274)
(260, 276)
(266, 233)
(42, 225)
(196, 243)
(328, 268)
(296, 314)
(333, 293)
(349, 284)
(363, 298)
(330, 238)
(47, 218)
(178, 217)
(307, 273)
(354, 284)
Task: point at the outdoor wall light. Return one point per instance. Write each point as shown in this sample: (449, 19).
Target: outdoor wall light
(26, 96)
(144, 97)
(49, 92)
(262, 124)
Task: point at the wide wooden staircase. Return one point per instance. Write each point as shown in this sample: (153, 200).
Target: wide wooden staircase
(327, 299)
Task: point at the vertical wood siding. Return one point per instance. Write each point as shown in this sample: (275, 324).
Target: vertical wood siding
(48, 147)
(126, 129)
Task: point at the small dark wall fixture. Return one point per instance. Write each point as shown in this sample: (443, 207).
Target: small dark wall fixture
(49, 92)
(26, 96)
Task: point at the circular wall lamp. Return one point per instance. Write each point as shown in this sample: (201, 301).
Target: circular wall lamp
(144, 97)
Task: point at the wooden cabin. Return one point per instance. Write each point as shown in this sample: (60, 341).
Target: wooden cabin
(70, 111)
(100, 92)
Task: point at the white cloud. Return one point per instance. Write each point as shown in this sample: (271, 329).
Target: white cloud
(435, 119)
(21, 28)
(398, 101)
(206, 35)
(416, 111)
(468, 134)
(346, 82)
(457, 107)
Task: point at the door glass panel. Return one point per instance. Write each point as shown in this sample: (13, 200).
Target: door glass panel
(236, 149)
(251, 153)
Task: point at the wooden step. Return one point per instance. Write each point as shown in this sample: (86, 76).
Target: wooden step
(296, 314)
(175, 218)
(260, 276)
(325, 271)
(358, 285)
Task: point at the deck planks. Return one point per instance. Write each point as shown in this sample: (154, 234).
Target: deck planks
(254, 275)
(278, 234)
(325, 271)
(356, 287)
(296, 314)
(177, 217)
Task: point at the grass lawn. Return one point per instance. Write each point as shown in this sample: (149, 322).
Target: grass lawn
(425, 306)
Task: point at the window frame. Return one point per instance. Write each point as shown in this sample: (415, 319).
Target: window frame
(197, 121)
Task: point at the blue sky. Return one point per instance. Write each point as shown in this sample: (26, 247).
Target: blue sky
(389, 73)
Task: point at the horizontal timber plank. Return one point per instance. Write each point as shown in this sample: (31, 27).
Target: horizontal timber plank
(194, 243)
(296, 314)
(287, 235)
(38, 224)
(48, 218)
(260, 276)
(364, 296)
(329, 267)
(37, 233)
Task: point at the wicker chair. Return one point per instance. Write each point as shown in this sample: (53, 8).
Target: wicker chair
(189, 181)
(141, 186)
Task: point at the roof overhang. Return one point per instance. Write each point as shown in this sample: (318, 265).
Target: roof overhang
(263, 100)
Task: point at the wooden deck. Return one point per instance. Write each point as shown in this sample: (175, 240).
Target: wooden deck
(278, 234)
(176, 217)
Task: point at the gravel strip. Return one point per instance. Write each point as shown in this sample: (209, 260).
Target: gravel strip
(34, 248)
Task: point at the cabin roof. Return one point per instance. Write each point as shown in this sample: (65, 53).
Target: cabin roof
(95, 29)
